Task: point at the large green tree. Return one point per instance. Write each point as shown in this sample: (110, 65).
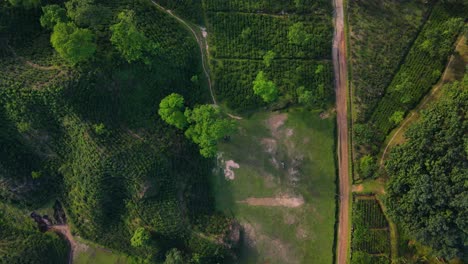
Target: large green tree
(297, 34)
(265, 88)
(132, 44)
(207, 127)
(171, 110)
(52, 14)
(427, 191)
(72, 43)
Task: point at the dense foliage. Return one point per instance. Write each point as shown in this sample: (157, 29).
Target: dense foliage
(129, 41)
(397, 93)
(22, 243)
(427, 189)
(90, 135)
(72, 43)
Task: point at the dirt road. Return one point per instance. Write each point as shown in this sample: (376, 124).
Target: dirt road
(341, 76)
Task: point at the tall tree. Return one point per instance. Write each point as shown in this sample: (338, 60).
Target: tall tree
(53, 14)
(427, 190)
(264, 88)
(171, 110)
(132, 44)
(207, 127)
(72, 43)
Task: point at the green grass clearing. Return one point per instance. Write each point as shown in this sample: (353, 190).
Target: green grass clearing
(90, 253)
(282, 155)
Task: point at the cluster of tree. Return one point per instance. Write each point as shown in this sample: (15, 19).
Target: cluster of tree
(75, 29)
(204, 124)
(427, 189)
(265, 88)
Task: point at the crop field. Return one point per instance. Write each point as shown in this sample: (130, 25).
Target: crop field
(282, 188)
(380, 34)
(242, 32)
(422, 66)
(371, 237)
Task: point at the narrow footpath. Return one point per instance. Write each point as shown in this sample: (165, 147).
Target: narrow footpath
(341, 76)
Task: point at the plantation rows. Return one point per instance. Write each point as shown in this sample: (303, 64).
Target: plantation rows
(372, 215)
(19, 75)
(370, 234)
(234, 80)
(422, 67)
(269, 6)
(249, 36)
(175, 44)
(382, 32)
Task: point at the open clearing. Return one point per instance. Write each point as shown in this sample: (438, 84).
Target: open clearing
(284, 188)
(88, 253)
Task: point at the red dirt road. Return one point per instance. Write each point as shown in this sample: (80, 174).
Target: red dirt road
(341, 76)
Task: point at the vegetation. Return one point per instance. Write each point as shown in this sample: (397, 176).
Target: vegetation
(72, 43)
(370, 237)
(248, 37)
(207, 127)
(131, 43)
(264, 88)
(401, 90)
(429, 166)
(171, 110)
(53, 14)
(21, 242)
(82, 127)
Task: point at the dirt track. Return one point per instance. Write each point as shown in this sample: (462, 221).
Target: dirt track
(341, 76)
(64, 230)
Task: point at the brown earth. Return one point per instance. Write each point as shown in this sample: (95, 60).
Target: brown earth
(341, 76)
(285, 201)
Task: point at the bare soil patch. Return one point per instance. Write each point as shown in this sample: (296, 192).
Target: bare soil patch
(228, 172)
(270, 145)
(284, 201)
(275, 122)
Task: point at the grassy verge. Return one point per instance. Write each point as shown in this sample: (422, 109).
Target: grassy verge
(90, 253)
(282, 155)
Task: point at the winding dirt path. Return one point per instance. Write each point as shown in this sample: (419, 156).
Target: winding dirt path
(341, 76)
(201, 41)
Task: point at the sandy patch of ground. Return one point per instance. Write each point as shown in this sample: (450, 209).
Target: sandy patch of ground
(289, 132)
(357, 188)
(301, 233)
(284, 201)
(270, 145)
(274, 248)
(275, 121)
(228, 172)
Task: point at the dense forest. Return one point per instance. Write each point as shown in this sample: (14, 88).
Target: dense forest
(427, 190)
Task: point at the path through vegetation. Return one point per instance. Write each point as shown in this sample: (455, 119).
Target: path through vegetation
(412, 116)
(201, 41)
(341, 75)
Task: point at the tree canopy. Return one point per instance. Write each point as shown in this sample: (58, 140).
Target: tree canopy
(297, 34)
(72, 43)
(171, 110)
(264, 88)
(132, 44)
(53, 14)
(207, 127)
(268, 58)
(427, 189)
(174, 256)
(140, 238)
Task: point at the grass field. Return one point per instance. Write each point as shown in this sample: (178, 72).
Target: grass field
(91, 254)
(280, 160)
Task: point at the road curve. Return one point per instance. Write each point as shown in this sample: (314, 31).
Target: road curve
(341, 76)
